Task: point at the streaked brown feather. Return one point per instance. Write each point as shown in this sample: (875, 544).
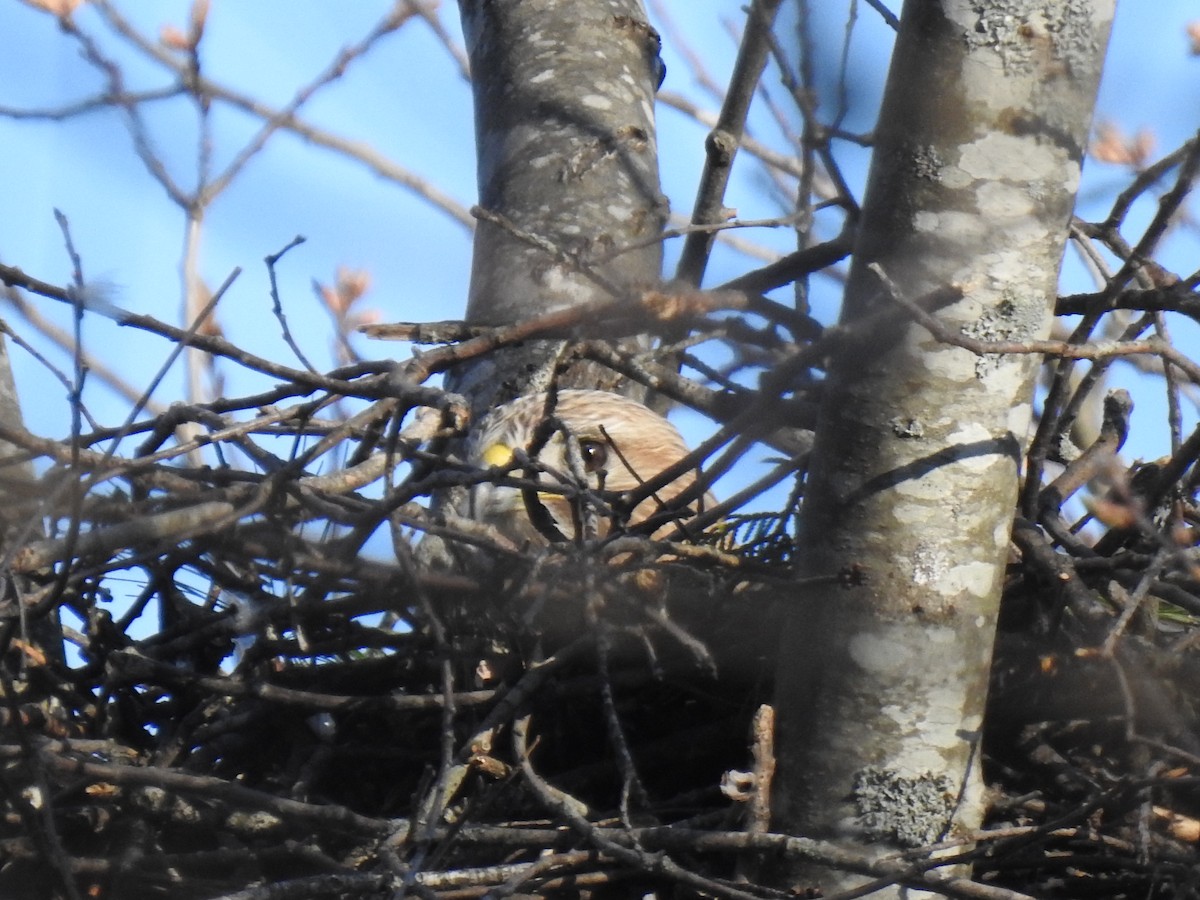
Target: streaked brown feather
(642, 444)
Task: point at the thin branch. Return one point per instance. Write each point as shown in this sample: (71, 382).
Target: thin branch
(723, 141)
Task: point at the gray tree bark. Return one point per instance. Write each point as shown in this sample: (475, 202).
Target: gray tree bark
(19, 522)
(882, 679)
(568, 173)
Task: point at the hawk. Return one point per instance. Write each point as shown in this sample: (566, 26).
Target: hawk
(622, 444)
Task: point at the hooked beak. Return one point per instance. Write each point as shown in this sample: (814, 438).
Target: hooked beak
(488, 500)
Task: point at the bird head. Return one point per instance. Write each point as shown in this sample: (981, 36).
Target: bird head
(606, 444)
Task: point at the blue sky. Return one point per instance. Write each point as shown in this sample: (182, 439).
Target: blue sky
(407, 101)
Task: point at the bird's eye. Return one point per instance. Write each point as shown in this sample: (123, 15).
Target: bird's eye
(595, 455)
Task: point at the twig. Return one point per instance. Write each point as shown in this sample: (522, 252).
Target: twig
(277, 304)
(722, 143)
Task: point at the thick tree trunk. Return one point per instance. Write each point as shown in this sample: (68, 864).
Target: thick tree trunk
(882, 678)
(568, 170)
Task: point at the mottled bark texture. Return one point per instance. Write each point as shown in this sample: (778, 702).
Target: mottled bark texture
(882, 679)
(564, 123)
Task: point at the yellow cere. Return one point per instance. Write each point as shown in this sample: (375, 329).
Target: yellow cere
(498, 455)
